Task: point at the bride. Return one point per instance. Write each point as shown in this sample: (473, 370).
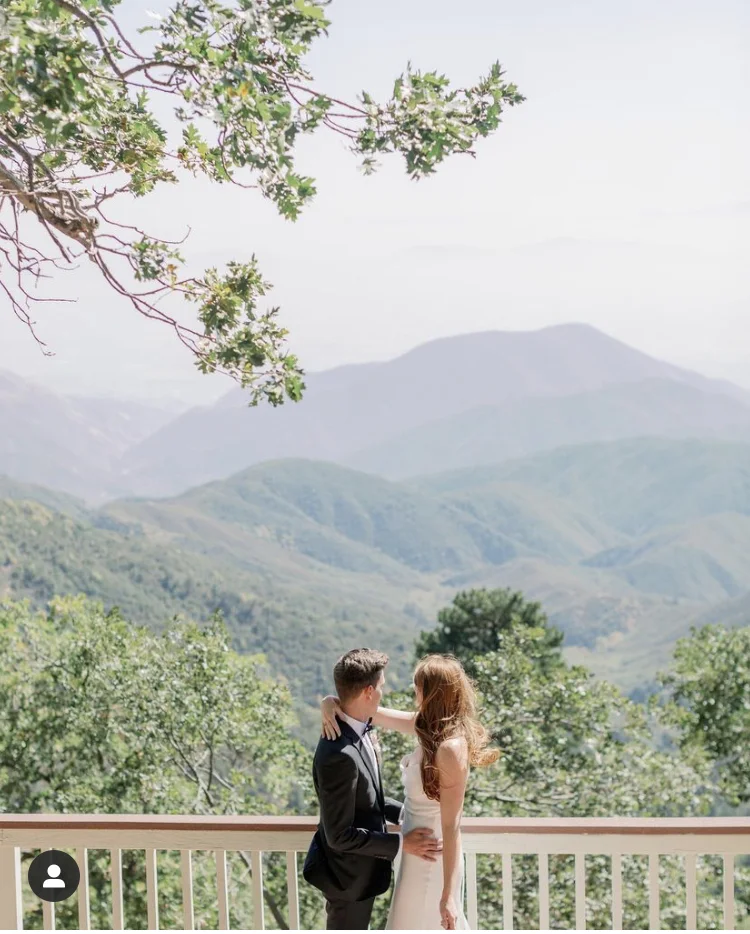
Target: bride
(429, 895)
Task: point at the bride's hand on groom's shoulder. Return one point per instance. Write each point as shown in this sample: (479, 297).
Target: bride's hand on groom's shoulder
(329, 709)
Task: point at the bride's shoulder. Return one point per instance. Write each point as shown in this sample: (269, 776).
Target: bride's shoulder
(453, 753)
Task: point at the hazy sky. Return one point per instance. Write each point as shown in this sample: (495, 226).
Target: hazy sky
(618, 194)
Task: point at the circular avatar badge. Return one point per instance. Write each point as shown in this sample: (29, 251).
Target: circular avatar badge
(54, 876)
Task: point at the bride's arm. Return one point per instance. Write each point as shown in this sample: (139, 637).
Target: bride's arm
(386, 718)
(452, 764)
(389, 719)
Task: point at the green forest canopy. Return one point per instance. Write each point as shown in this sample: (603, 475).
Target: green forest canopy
(100, 714)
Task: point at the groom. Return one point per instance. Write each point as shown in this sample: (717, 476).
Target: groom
(351, 854)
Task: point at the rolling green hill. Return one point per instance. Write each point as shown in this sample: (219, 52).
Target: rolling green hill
(614, 539)
(633, 486)
(537, 522)
(337, 516)
(356, 522)
(59, 502)
(298, 621)
(625, 544)
(707, 559)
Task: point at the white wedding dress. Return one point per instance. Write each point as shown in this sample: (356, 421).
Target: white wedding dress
(419, 884)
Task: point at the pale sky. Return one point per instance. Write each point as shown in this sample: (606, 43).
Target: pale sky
(618, 194)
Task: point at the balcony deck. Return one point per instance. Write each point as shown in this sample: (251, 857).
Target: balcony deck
(728, 838)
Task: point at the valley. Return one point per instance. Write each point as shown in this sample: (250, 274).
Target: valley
(622, 550)
(611, 487)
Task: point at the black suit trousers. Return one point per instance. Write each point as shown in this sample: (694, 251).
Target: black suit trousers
(348, 916)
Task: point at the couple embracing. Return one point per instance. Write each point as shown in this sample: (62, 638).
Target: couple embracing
(351, 854)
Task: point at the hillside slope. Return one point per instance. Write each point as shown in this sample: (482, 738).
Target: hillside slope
(621, 541)
(295, 620)
(633, 486)
(354, 521)
(58, 502)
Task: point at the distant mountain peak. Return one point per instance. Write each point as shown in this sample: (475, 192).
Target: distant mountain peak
(352, 410)
(454, 401)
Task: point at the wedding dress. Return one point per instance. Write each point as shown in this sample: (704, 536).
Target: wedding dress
(419, 884)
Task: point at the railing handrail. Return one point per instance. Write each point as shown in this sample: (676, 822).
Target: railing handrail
(648, 826)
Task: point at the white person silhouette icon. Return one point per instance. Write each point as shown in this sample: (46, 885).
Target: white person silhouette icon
(54, 875)
(54, 881)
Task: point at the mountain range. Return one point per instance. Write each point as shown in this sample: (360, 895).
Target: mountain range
(490, 395)
(610, 486)
(452, 403)
(71, 444)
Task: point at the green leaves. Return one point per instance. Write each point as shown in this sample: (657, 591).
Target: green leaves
(473, 624)
(312, 10)
(98, 715)
(707, 699)
(102, 694)
(154, 259)
(426, 121)
(247, 345)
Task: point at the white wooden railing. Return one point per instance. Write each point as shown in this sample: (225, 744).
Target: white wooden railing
(614, 837)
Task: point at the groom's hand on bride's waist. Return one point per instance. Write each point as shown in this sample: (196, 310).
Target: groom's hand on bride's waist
(423, 843)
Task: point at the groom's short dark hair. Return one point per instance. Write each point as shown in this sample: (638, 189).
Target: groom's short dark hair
(356, 671)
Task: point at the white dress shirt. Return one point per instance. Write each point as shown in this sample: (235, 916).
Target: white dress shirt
(360, 729)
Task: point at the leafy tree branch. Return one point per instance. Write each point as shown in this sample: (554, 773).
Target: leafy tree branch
(79, 138)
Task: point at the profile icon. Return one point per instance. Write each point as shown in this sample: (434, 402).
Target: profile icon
(53, 881)
(54, 875)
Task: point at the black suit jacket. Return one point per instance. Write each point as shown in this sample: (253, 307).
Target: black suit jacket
(351, 853)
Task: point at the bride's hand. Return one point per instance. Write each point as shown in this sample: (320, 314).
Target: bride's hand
(329, 708)
(448, 913)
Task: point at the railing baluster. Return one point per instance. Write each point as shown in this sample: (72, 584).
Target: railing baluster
(580, 885)
(543, 892)
(221, 885)
(256, 865)
(84, 904)
(616, 892)
(691, 901)
(118, 913)
(152, 890)
(728, 892)
(48, 915)
(472, 908)
(654, 908)
(507, 892)
(292, 891)
(11, 899)
(186, 871)
(49, 919)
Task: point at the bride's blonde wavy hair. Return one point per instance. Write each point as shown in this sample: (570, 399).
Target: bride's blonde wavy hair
(447, 710)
